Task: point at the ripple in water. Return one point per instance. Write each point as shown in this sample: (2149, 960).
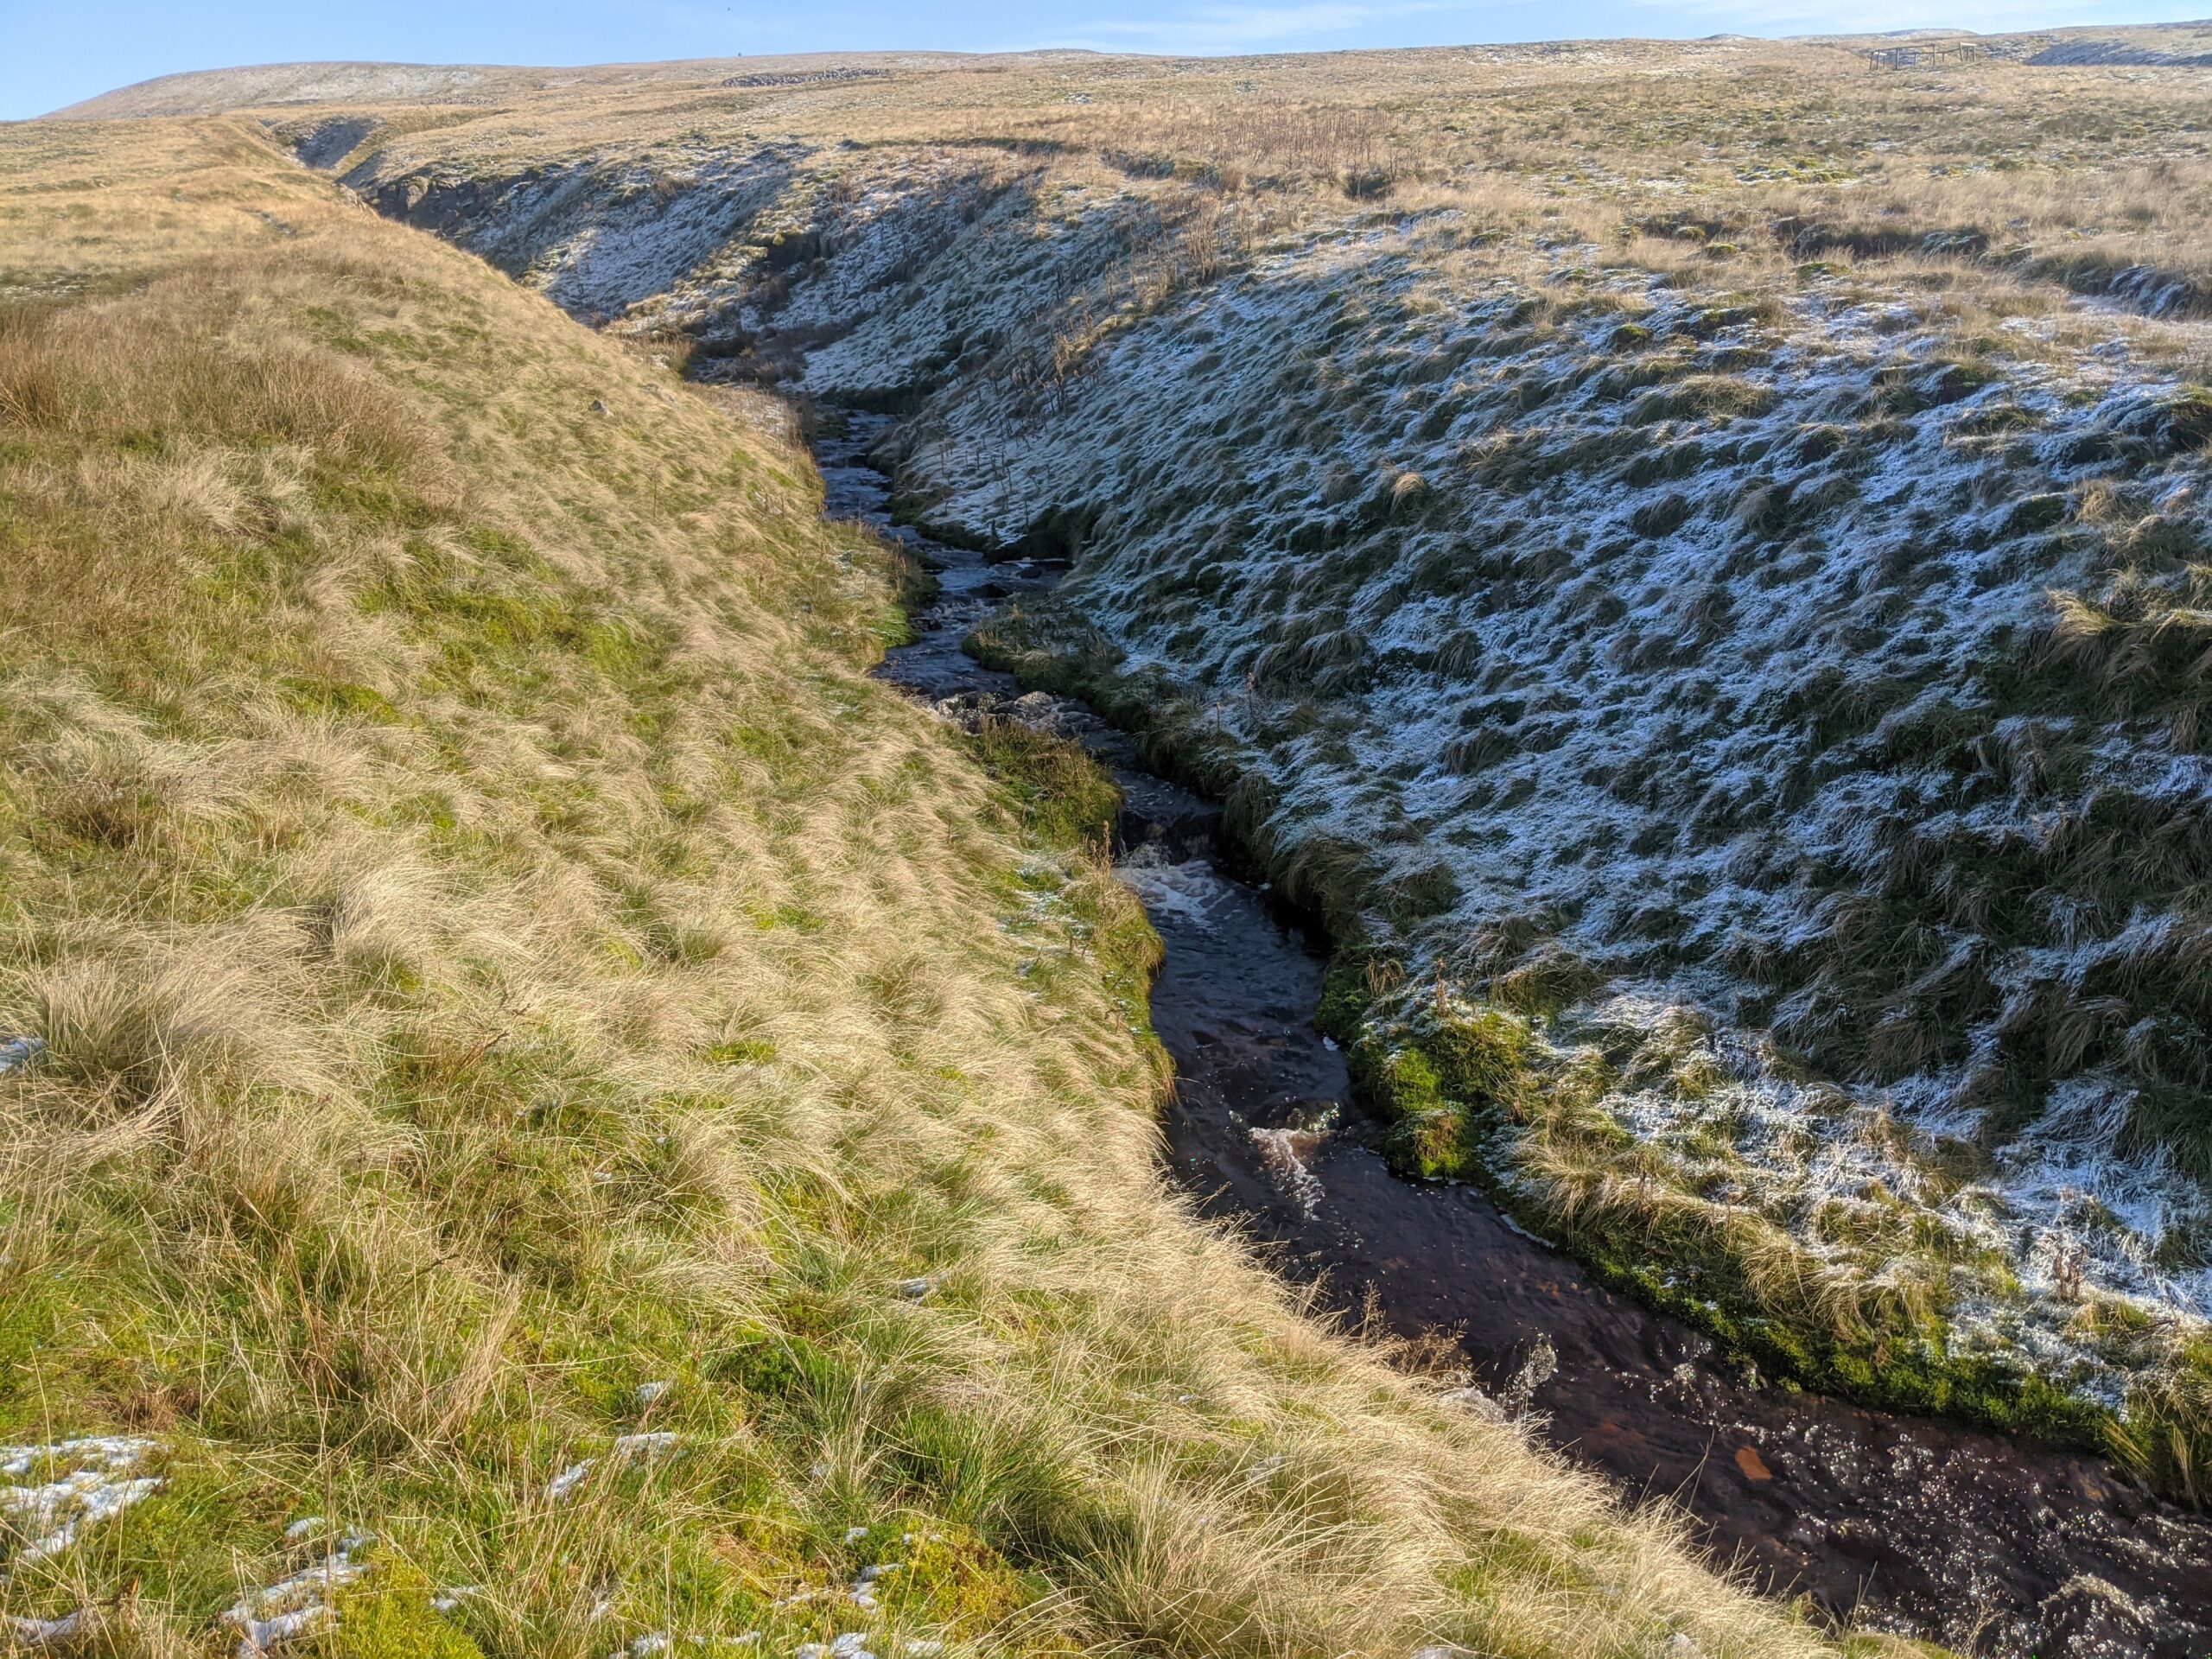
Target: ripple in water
(1285, 1152)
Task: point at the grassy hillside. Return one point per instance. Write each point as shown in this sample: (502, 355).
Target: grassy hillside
(571, 1121)
(1693, 555)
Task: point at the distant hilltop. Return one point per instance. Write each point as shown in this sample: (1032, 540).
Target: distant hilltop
(208, 91)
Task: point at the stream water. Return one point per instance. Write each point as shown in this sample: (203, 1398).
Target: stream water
(1907, 1525)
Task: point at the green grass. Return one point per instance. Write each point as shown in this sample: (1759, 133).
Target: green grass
(1065, 797)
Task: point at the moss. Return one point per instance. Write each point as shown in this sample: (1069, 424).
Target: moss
(389, 1616)
(1347, 990)
(953, 1578)
(1401, 1082)
(769, 1364)
(1480, 1056)
(1432, 1143)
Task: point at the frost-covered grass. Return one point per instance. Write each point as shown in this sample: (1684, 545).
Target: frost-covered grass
(572, 1121)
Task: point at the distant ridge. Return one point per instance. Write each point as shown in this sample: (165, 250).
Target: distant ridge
(2115, 53)
(208, 91)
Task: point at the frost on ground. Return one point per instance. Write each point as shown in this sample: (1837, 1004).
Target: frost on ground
(628, 1448)
(1785, 714)
(653, 1642)
(63, 1632)
(73, 1484)
(1664, 653)
(301, 1603)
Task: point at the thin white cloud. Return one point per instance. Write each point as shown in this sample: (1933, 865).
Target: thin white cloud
(1234, 29)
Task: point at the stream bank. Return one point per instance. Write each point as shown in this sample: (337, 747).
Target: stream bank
(1904, 1524)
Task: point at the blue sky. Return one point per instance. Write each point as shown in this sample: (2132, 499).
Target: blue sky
(54, 52)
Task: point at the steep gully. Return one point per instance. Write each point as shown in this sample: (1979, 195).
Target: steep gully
(1907, 1525)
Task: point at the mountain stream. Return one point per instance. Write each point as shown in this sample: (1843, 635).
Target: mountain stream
(1904, 1524)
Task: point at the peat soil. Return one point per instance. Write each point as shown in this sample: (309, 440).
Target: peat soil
(1894, 1522)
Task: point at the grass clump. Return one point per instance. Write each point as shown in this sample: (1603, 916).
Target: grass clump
(1064, 797)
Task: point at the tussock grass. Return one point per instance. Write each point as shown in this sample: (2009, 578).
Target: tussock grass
(1064, 795)
(497, 951)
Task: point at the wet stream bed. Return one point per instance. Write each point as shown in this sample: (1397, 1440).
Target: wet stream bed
(1911, 1526)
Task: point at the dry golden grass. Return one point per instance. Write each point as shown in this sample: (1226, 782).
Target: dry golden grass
(498, 950)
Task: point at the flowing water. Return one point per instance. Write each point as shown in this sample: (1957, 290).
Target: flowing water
(1913, 1526)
